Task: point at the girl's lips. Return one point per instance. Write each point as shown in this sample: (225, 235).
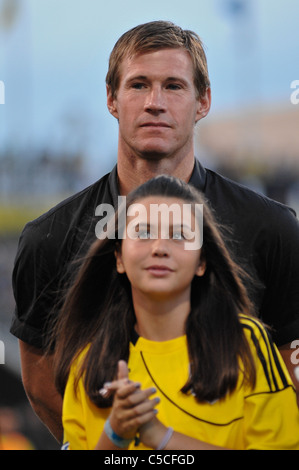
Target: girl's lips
(157, 266)
(159, 270)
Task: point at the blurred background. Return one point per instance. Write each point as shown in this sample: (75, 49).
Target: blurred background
(56, 135)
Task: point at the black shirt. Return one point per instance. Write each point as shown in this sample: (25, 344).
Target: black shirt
(264, 237)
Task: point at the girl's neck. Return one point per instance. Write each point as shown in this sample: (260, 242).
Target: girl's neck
(160, 320)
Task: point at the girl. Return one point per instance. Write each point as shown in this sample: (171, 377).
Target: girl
(172, 357)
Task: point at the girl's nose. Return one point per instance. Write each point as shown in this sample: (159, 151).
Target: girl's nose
(160, 247)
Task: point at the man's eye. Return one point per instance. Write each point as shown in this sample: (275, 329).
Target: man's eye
(173, 86)
(138, 86)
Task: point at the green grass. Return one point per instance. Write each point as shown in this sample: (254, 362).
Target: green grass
(14, 217)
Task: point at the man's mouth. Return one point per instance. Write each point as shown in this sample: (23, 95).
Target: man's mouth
(155, 124)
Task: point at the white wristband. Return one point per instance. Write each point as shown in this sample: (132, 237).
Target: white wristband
(165, 439)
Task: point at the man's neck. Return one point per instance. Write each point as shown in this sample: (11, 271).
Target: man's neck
(134, 172)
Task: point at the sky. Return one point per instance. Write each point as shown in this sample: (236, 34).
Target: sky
(53, 62)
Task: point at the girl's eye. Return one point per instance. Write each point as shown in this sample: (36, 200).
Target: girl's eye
(144, 234)
(178, 236)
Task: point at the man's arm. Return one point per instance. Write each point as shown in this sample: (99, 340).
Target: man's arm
(286, 352)
(38, 381)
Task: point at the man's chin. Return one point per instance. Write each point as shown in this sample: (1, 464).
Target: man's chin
(153, 154)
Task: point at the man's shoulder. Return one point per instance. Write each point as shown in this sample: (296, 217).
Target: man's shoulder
(65, 230)
(231, 195)
(73, 207)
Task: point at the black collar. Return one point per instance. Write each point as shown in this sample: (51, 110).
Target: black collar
(199, 176)
(198, 179)
(113, 186)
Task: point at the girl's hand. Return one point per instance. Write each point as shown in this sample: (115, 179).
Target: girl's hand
(131, 405)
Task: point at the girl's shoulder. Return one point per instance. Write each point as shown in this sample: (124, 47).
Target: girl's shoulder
(272, 373)
(258, 335)
(255, 327)
(78, 360)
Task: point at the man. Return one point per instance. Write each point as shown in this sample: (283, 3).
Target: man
(158, 89)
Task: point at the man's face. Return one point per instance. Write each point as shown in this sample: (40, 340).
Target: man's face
(157, 104)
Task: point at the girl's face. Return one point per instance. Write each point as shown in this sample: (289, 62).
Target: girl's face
(155, 252)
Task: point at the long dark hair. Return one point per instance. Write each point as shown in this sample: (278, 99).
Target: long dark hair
(98, 311)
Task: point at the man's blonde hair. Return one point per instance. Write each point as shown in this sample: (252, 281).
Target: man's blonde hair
(153, 36)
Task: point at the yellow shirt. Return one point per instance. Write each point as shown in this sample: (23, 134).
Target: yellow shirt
(266, 417)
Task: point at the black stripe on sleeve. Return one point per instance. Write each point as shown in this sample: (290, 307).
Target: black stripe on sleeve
(270, 362)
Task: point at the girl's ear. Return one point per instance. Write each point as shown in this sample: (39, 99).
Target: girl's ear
(119, 262)
(201, 269)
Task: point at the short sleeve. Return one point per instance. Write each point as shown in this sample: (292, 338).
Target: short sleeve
(35, 281)
(271, 415)
(263, 236)
(49, 253)
(282, 298)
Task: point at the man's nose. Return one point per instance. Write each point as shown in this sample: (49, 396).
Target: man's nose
(155, 100)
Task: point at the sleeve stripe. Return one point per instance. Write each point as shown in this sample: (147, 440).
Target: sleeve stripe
(259, 354)
(270, 361)
(278, 366)
(275, 355)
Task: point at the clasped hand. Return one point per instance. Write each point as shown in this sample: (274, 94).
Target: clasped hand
(133, 411)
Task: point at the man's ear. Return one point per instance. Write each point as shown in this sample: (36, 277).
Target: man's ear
(119, 262)
(204, 105)
(111, 102)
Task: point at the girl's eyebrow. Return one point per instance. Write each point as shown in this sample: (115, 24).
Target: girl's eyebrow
(141, 226)
(172, 226)
(181, 226)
